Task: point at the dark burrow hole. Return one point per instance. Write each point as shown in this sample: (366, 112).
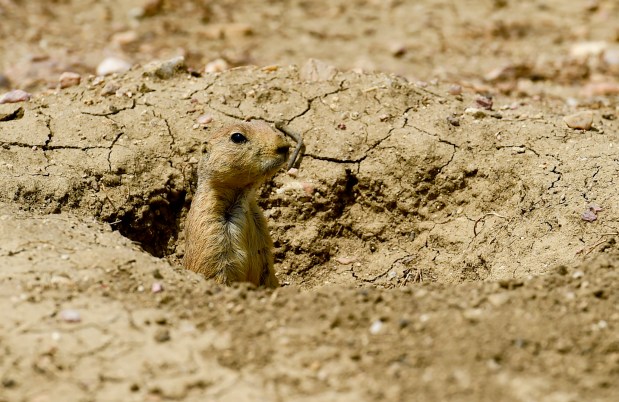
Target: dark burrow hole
(154, 225)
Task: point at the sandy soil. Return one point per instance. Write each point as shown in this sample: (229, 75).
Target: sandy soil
(447, 235)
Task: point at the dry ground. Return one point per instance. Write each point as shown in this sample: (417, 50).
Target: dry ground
(429, 250)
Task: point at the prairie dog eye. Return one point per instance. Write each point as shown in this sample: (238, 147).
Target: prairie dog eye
(238, 138)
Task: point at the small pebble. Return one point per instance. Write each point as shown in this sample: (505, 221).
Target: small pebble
(293, 172)
(110, 88)
(294, 186)
(204, 119)
(157, 287)
(455, 90)
(162, 335)
(346, 260)
(580, 121)
(583, 50)
(165, 69)
(498, 299)
(15, 96)
(484, 101)
(473, 314)
(69, 79)
(216, 66)
(125, 38)
(578, 274)
(135, 12)
(113, 65)
(601, 89)
(317, 70)
(98, 80)
(397, 49)
(70, 315)
(611, 56)
(376, 327)
(271, 68)
(476, 112)
(308, 188)
(589, 216)
(509, 72)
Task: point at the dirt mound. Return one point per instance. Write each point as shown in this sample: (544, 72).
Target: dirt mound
(388, 189)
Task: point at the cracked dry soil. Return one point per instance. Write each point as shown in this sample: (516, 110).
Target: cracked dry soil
(439, 261)
(422, 260)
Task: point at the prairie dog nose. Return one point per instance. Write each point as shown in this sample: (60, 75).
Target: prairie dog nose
(283, 149)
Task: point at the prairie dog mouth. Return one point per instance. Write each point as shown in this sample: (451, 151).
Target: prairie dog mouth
(271, 165)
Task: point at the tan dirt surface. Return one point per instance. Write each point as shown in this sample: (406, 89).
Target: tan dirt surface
(447, 236)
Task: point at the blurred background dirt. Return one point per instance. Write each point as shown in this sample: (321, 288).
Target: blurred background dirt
(452, 224)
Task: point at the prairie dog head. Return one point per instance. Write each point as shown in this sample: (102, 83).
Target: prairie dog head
(243, 155)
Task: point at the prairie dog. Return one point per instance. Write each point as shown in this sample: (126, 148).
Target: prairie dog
(226, 236)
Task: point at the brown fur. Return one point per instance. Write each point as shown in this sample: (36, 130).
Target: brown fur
(227, 237)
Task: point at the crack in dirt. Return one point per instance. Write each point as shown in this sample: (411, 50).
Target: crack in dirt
(308, 107)
(453, 155)
(336, 160)
(559, 174)
(113, 110)
(46, 147)
(167, 124)
(110, 148)
(438, 138)
(350, 161)
(192, 93)
(6, 144)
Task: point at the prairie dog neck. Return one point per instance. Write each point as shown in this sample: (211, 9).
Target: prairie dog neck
(224, 203)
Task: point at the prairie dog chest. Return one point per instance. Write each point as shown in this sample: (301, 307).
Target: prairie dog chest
(246, 228)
